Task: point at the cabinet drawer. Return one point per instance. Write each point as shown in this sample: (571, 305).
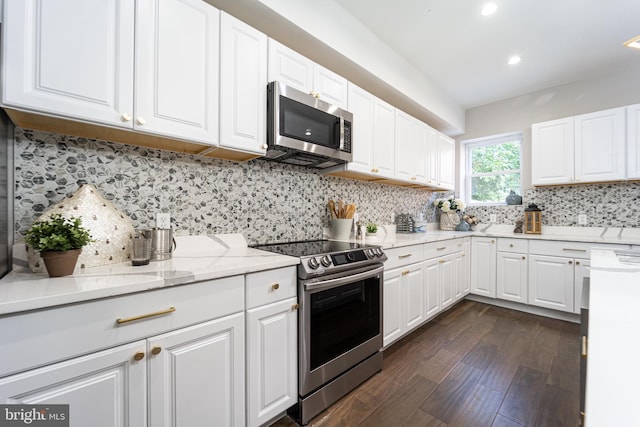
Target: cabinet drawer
(41, 337)
(568, 249)
(270, 286)
(444, 247)
(513, 245)
(397, 257)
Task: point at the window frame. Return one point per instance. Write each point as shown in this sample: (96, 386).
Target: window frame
(470, 144)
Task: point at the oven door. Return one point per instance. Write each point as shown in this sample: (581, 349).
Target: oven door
(340, 324)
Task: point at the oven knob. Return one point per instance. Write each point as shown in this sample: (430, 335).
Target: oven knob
(379, 252)
(326, 261)
(313, 263)
(371, 253)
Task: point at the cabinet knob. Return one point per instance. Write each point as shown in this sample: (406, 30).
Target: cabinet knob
(524, 257)
(577, 262)
(493, 241)
(275, 286)
(295, 306)
(141, 120)
(138, 356)
(125, 117)
(265, 146)
(441, 261)
(430, 181)
(413, 178)
(510, 245)
(156, 350)
(570, 262)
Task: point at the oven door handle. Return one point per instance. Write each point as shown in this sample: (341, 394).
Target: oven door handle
(332, 283)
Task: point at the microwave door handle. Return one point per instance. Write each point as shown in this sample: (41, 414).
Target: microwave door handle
(333, 283)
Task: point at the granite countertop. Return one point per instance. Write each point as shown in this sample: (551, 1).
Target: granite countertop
(23, 290)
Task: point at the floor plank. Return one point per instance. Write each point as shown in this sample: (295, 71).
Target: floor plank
(476, 365)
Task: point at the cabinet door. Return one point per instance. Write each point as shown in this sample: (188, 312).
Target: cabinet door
(633, 141)
(447, 281)
(446, 162)
(103, 389)
(459, 264)
(420, 135)
(414, 299)
(483, 266)
(289, 67)
(404, 145)
(392, 306)
(512, 277)
(72, 58)
(432, 157)
(330, 86)
(433, 285)
(272, 360)
(466, 283)
(243, 86)
(600, 146)
(552, 152)
(176, 79)
(361, 105)
(581, 270)
(383, 138)
(197, 373)
(551, 282)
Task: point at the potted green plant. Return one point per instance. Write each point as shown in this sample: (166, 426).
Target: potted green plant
(372, 229)
(59, 241)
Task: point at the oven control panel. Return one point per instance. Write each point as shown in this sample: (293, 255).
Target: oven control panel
(329, 262)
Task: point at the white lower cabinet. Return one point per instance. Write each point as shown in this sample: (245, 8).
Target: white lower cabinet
(272, 344)
(551, 282)
(511, 281)
(404, 301)
(272, 360)
(448, 278)
(581, 270)
(187, 375)
(483, 266)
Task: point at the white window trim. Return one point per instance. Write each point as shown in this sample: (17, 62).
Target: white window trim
(465, 166)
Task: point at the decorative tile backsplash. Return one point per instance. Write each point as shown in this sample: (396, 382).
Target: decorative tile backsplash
(605, 205)
(264, 201)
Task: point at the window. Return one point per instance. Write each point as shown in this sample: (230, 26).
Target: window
(492, 169)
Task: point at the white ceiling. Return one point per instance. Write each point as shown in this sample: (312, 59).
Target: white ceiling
(465, 54)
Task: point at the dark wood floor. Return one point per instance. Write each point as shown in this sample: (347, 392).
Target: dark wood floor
(474, 366)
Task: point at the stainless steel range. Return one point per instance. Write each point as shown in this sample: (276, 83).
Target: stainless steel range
(339, 320)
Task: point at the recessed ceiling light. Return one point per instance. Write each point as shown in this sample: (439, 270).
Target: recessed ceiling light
(514, 60)
(634, 42)
(488, 9)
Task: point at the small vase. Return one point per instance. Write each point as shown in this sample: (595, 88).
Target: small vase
(60, 263)
(449, 220)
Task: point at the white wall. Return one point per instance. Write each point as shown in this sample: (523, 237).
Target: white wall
(616, 88)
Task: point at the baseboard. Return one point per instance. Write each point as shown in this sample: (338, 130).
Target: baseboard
(540, 311)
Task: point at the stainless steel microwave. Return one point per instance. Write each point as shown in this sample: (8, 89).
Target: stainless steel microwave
(304, 130)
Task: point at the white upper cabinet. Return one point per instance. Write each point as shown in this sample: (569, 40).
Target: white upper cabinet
(633, 141)
(552, 152)
(243, 86)
(410, 148)
(580, 149)
(176, 78)
(361, 105)
(73, 59)
(293, 69)
(383, 139)
(373, 134)
(600, 146)
(446, 162)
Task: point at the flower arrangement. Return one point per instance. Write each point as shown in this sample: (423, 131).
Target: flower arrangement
(448, 204)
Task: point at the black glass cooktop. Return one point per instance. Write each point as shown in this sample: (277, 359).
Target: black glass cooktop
(310, 247)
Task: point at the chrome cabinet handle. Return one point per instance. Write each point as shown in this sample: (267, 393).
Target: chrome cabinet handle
(575, 250)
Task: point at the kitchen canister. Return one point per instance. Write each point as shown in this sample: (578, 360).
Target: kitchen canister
(162, 243)
(341, 228)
